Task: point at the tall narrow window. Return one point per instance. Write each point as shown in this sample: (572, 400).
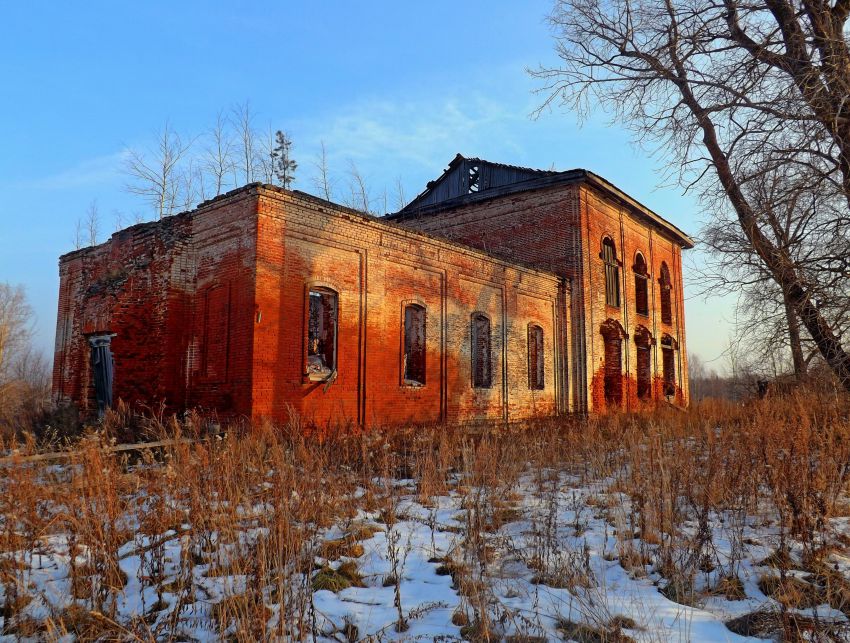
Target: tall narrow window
(536, 369)
(668, 365)
(666, 291)
(612, 272)
(321, 334)
(613, 335)
(641, 286)
(482, 367)
(643, 341)
(414, 345)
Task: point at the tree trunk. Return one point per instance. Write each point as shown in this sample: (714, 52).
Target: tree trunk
(794, 339)
(781, 267)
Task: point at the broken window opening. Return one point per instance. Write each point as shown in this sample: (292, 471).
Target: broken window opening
(414, 346)
(644, 373)
(668, 366)
(612, 272)
(473, 177)
(613, 335)
(322, 334)
(643, 342)
(536, 370)
(482, 371)
(613, 371)
(666, 294)
(641, 286)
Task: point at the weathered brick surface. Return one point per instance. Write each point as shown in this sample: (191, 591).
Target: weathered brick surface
(560, 229)
(378, 268)
(209, 310)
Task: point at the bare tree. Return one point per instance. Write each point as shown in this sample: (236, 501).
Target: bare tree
(191, 188)
(119, 218)
(359, 198)
(155, 175)
(78, 234)
(15, 326)
(322, 181)
(217, 158)
(400, 201)
(24, 372)
(92, 223)
(266, 156)
(732, 93)
(243, 122)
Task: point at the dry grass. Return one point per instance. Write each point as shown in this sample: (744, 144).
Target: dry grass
(783, 458)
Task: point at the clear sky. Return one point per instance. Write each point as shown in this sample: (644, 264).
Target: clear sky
(397, 88)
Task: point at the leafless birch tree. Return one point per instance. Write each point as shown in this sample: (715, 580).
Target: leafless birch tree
(322, 180)
(217, 159)
(243, 122)
(15, 326)
(92, 223)
(155, 175)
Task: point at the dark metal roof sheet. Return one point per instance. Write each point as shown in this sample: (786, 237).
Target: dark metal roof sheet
(447, 192)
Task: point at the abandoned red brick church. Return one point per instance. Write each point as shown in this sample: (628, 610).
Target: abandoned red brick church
(499, 293)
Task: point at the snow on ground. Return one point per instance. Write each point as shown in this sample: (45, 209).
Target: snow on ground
(550, 561)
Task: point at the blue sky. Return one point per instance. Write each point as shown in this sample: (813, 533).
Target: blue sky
(396, 88)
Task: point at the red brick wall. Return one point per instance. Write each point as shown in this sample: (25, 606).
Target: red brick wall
(561, 229)
(161, 287)
(377, 268)
(602, 217)
(209, 308)
(135, 285)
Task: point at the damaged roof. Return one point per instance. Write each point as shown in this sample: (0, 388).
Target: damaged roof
(471, 180)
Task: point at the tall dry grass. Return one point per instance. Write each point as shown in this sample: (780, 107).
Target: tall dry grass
(254, 504)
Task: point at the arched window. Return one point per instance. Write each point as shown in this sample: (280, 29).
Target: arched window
(322, 320)
(536, 367)
(643, 342)
(613, 334)
(612, 272)
(414, 345)
(641, 286)
(668, 364)
(482, 365)
(666, 293)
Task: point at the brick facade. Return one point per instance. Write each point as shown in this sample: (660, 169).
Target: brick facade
(267, 303)
(560, 227)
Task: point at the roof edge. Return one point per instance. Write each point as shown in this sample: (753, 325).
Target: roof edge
(567, 177)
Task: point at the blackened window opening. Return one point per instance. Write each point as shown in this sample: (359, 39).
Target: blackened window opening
(536, 368)
(414, 345)
(666, 291)
(641, 286)
(613, 371)
(669, 370)
(482, 371)
(644, 372)
(612, 272)
(322, 334)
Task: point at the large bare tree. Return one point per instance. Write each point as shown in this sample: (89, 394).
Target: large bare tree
(736, 96)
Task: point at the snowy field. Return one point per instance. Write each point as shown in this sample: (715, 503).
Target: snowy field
(549, 558)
